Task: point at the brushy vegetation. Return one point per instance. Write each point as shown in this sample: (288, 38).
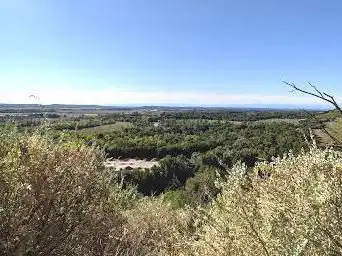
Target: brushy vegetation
(58, 199)
(296, 210)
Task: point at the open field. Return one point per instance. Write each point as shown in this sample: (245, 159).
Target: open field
(275, 120)
(118, 126)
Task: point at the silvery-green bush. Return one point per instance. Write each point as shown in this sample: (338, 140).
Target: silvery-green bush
(295, 208)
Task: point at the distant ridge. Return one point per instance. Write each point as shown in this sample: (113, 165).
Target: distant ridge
(245, 107)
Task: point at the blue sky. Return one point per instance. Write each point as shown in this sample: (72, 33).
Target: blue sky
(168, 52)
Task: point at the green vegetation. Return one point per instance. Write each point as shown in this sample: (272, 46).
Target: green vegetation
(226, 183)
(185, 143)
(58, 199)
(117, 126)
(193, 147)
(266, 139)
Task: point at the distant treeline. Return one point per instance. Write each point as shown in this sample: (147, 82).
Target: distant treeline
(236, 116)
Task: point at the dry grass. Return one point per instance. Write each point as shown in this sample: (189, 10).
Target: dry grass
(118, 126)
(334, 128)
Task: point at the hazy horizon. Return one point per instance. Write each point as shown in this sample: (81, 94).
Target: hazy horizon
(318, 107)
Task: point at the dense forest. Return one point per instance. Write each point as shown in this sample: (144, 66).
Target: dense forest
(187, 149)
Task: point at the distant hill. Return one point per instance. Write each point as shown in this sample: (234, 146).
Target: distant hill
(85, 108)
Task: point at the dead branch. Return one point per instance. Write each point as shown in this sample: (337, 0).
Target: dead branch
(317, 94)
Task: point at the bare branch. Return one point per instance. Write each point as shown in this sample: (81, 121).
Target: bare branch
(317, 93)
(315, 88)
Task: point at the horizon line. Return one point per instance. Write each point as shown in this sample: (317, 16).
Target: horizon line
(223, 106)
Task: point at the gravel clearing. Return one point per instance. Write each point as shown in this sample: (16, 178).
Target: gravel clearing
(119, 164)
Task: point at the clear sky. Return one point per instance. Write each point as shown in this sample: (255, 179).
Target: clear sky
(168, 51)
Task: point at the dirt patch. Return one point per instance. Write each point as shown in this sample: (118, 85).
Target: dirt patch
(119, 164)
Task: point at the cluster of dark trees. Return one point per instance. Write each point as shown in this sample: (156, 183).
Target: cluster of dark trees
(184, 180)
(246, 141)
(234, 115)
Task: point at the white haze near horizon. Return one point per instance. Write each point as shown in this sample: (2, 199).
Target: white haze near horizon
(121, 97)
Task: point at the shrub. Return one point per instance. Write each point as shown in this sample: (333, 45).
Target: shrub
(202, 189)
(294, 211)
(175, 199)
(56, 198)
(155, 229)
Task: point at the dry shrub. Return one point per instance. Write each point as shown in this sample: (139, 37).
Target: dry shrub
(56, 198)
(295, 211)
(155, 229)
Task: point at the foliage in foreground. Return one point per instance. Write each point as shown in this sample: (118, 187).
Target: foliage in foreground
(57, 199)
(294, 211)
